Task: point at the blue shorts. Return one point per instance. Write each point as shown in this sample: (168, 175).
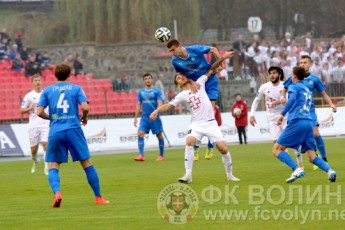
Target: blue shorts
(297, 133)
(72, 140)
(212, 88)
(155, 126)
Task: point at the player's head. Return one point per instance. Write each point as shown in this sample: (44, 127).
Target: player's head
(298, 73)
(148, 79)
(62, 72)
(305, 62)
(36, 80)
(180, 79)
(276, 74)
(174, 47)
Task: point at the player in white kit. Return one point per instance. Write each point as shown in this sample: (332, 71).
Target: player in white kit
(38, 127)
(272, 92)
(203, 122)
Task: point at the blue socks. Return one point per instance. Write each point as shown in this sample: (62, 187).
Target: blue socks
(141, 145)
(161, 147)
(209, 145)
(320, 144)
(286, 158)
(195, 147)
(321, 164)
(92, 178)
(54, 180)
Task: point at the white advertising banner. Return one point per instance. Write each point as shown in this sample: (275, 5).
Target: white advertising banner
(120, 135)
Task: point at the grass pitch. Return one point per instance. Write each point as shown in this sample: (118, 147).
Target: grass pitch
(261, 200)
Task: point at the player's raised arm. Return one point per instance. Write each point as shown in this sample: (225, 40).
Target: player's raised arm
(160, 109)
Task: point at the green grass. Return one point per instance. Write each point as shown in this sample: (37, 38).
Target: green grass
(133, 187)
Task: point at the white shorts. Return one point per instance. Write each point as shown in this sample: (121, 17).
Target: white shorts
(209, 129)
(276, 130)
(37, 135)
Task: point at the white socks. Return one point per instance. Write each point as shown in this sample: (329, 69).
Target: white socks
(298, 156)
(226, 158)
(189, 159)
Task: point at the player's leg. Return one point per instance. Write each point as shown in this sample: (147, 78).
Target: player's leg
(209, 151)
(44, 139)
(320, 144)
(226, 159)
(188, 159)
(196, 152)
(34, 141)
(157, 129)
(56, 154)
(144, 128)
(79, 151)
(288, 139)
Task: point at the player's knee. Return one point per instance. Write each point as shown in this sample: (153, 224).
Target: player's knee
(190, 141)
(222, 147)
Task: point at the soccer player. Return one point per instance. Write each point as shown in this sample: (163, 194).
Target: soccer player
(203, 122)
(272, 90)
(38, 127)
(299, 129)
(191, 61)
(313, 83)
(149, 98)
(65, 134)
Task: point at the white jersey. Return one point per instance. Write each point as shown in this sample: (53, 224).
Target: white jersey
(199, 103)
(271, 93)
(33, 98)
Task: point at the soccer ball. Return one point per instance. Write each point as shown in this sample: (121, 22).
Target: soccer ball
(162, 34)
(237, 111)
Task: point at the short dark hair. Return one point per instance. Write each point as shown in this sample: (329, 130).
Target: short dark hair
(35, 76)
(147, 75)
(172, 42)
(62, 72)
(279, 70)
(299, 72)
(238, 94)
(306, 57)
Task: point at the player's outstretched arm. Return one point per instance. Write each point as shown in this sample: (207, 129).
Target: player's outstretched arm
(329, 101)
(40, 112)
(160, 109)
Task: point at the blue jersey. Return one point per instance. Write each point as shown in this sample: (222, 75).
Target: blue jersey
(313, 83)
(63, 99)
(149, 100)
(196, 65)
(299, 102)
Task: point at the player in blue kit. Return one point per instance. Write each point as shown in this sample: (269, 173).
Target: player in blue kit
(313, 82)
(191, 61)
(149, 98)
(65, 134)
(299, 130)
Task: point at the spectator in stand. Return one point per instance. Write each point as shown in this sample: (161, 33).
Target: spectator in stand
(287, 39)
(4, 35)
(241, 118)
(308, 42)
(69, 61)
(24, 54)
(19, 40)
(45, 61)
(338, 72)
(125, 83)
(239, 44)
(2, 51)
(159, 85)
(292, 47)
(117, 84)
(17, 64)
(32, 67)
(13, 52)
(78, 65)
(326, 74)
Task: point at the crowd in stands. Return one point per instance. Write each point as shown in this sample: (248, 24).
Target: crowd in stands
(256, 56)
(21, 61)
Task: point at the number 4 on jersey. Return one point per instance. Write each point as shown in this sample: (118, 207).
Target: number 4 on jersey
(63, 104)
